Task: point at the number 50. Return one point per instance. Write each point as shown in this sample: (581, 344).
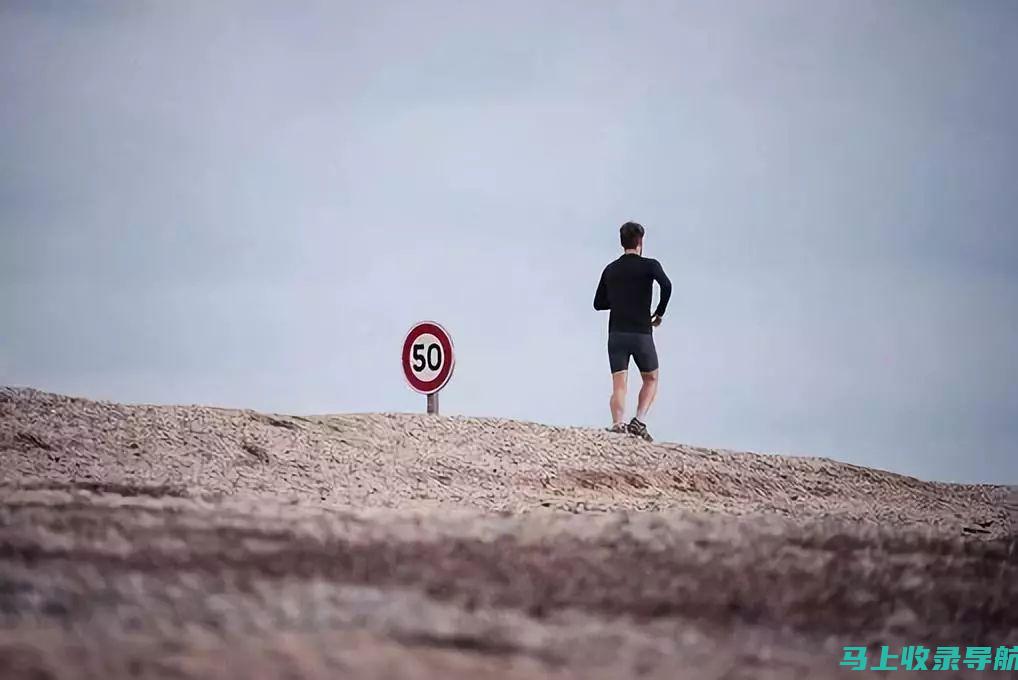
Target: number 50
(433, 354)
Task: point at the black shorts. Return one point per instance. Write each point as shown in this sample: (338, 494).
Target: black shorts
(639, 345)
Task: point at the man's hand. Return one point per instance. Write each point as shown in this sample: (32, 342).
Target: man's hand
(655, 321)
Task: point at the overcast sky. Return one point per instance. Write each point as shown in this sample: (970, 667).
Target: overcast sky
(248, 204)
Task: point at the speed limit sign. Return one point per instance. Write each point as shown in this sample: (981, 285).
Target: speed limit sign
(428, 360)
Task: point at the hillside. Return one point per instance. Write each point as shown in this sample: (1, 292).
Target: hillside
(158, 541)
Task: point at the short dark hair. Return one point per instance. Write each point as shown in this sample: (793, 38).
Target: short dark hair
(631, 233)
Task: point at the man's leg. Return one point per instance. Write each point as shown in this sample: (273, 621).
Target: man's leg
(618, 361)
(646, 361)
(618, 400)
(647, 393)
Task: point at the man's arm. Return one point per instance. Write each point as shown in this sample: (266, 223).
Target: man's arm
(601, 296)
(666, 288)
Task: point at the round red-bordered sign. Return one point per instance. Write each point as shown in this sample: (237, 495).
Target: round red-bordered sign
(428, 357)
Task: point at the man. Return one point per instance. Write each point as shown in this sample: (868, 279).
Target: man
(625, 288)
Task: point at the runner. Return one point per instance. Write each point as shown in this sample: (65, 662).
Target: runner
(626, 288)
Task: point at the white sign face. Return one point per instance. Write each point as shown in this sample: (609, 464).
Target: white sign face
(426, 357)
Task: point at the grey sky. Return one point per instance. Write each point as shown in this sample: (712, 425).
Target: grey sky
(247, 204)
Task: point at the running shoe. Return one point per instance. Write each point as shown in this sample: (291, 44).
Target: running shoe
(638, 429)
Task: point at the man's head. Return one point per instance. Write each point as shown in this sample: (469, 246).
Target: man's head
(631, 235)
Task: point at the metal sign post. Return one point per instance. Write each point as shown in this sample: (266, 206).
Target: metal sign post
(428, 361)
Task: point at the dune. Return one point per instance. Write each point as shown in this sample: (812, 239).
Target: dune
(190, 541)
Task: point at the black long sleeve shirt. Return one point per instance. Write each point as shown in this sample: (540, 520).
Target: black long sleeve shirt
(626, 288)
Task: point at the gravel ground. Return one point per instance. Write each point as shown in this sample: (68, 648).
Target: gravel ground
(156, 541)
